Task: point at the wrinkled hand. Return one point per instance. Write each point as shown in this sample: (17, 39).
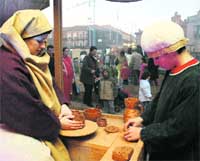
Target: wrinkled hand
(65, 111)
(68, 124)
(133, 133)
(135, 122)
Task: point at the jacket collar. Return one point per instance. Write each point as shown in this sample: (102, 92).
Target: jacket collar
(183, 67)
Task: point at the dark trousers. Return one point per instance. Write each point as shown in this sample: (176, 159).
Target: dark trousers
(136, 74)
(96, 90)
(125, 82)
(87, 98)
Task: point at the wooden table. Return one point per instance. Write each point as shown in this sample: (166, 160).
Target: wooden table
(99, 146)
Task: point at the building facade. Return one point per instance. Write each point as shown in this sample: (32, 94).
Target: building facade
(138, 36)
(193, 32)
(191, 27)
(93, 35)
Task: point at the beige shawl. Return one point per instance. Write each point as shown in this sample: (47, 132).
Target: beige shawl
(26, 24)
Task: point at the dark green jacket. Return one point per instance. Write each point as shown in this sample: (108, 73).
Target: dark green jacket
(172, 125)
(89, 64)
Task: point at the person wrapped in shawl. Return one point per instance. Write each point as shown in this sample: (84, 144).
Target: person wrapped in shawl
(68, 74)
(33, 109)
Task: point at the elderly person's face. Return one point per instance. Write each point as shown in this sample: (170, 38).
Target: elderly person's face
(36, 44)
(167, 61)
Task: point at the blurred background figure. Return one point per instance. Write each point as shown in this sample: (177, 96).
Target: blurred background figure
(68, 74)
(145, 95)
(87, 76)
(143, 66)
(135, 63)
(154, 72)
(119, 61)
(106, 91)
(125, 73)
(82, 56)
(50, 51)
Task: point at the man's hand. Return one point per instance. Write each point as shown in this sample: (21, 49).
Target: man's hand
(135, 122)
(133, 133)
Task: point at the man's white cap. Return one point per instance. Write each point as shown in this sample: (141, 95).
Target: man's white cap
(162, 38)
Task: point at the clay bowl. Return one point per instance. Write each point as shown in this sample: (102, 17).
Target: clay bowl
(78, 116)
(101, 122)
(92, 113)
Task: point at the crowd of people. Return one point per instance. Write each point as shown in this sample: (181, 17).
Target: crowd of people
(122, 68)
(111, 74)
(34, 110)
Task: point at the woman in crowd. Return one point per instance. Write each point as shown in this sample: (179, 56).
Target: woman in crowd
(68, 74)
(119, 61)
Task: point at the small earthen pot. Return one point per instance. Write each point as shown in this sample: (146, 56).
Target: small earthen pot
(78, 116)
(92, 113)
(130, 113)
(101, 122)
(131, 102)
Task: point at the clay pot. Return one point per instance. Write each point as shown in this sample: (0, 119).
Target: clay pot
(131, 102)
(75, 112)
(101, 122)
(78, 116)
(133, 108)
(131, 113)
(92, 113)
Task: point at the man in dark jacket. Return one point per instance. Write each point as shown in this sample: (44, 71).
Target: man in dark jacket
(88, 76)
(171, 126)
(50, 51)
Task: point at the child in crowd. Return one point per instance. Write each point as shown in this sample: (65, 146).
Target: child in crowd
(106, 92)
(145, 89)
(125, 73)
(142, 67)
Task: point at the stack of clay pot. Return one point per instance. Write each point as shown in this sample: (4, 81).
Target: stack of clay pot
(133, 108)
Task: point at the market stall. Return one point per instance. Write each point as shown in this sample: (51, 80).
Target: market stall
(99, 145)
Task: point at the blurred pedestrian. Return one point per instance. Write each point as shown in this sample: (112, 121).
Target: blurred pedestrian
(50, 51)
(68, 74)
(154, 72)
(143, 66)
(145, 95)
(106, 91)
(135, 63)
(88, 76)
(125, 73)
